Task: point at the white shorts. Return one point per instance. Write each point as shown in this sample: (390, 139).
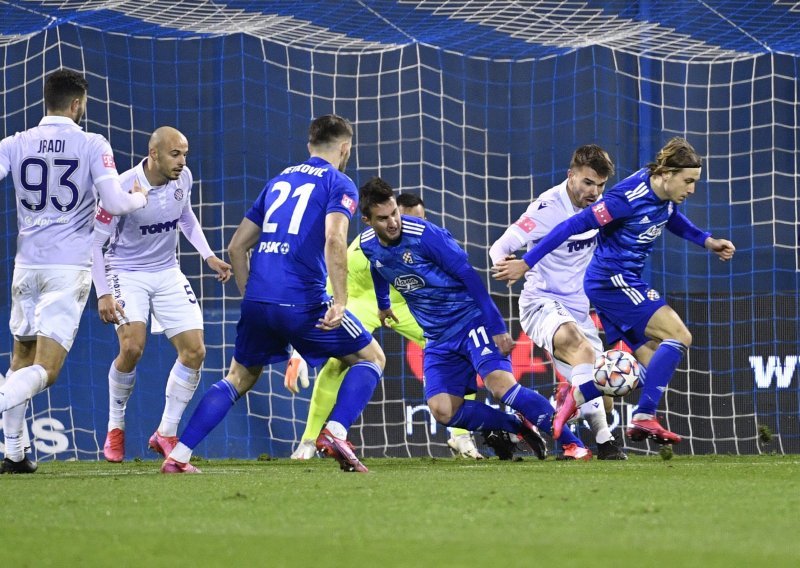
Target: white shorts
(49, 302)
(166, 294)
(541, 321)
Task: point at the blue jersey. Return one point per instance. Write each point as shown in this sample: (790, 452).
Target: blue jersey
(427, 267)
(288, 262)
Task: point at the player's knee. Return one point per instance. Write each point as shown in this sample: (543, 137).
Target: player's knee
(684, 336)
(193, 356)
(375, 354)
(442, 413)
(131, 351)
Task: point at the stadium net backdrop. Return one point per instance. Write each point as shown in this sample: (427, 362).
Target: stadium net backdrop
(477, 106)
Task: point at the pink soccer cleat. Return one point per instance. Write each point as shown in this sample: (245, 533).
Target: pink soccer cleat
(564, 412)
(114, 448)
(639, 430)
(575, 452)
(341, 451)
(172, 466)
(162, 444)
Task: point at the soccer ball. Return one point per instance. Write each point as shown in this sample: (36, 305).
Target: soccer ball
(616, 372)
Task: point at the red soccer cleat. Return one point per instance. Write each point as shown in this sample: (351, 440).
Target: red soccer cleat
(340, 450)
(172, 466)
(564, 412)
(114, 448)
(531, 437)
(640, 430)
(575, 452)
(162, 444)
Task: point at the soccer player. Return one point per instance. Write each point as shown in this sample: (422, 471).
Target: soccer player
(297, 229)
(140, 273)
(630, 217)
(553, 307)
(464, 330)
(363, 304)
(58, 170)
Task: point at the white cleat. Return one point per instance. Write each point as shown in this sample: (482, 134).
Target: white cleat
(464, 446)
(305, 450)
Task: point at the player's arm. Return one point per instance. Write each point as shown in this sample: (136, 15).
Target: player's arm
(525, 230)
(190, 226)
(382, 296)
(336, 224)
(107, 308)
(245, 238)
(680, 225)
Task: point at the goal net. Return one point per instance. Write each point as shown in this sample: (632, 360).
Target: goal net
(476, 106)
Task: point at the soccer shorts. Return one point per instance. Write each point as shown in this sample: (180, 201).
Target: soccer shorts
(541, 320)
(265, 332)
(366, 310)
(625, 305)
(49, 302)
(167, 294)
(451, 366)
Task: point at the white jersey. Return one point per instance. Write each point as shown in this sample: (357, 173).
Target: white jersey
(559, 275)
(147, 239)
(55, 166)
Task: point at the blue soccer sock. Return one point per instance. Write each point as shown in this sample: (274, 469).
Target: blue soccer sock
(589, 391)
(473, 415)
(354, 394)
(659, 371)
(213, 407)
(532, 405)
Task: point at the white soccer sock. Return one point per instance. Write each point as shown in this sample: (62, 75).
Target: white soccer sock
(14, 428)
(120, 387)
(594, 413)
(181, 453)
(22, 385)
(337, 429)
(181, 384)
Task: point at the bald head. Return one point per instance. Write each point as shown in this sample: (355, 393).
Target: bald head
(167, 152)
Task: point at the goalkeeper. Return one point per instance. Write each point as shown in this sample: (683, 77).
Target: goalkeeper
(363, 304)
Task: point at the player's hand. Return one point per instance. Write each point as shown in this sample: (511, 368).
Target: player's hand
(139, 189)
(723, 248)
(385, 315)
(110, 311)
(222, 268)
(333, 318)
(504, 342)
(296, 373)
(510, 270)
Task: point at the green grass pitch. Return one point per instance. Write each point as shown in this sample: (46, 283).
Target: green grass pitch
(688, 511)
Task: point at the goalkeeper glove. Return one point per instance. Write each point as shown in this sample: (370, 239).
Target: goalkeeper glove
(296, 372)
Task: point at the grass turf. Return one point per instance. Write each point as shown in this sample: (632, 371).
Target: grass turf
(688, 511)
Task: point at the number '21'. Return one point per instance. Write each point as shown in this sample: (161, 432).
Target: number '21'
(304, 192)
(39, 183)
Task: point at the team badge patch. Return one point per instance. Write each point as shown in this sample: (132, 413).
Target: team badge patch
(178, 194)
(526, 223)
(349, 203)
(601, 213)
(108, 161)
(652, 295)
(407, 257)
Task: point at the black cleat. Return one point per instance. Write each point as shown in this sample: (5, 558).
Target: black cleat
(610, 451)
(532, 438)
(500, 442)
(24, 466)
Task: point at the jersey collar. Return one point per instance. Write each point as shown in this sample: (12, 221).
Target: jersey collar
(51, 119)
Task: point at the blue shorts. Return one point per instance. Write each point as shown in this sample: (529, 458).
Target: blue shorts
(451, 366)
(265, 332)
(625, 305)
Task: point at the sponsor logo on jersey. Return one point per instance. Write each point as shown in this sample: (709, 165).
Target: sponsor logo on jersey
(575, 246)
(651, 234)
(103, 216)
(178, 194)
(652, 295)
(526, 223)
(601, 213)
(408, 283)
(157, 228)
(349, 203)
(270, 247)
(108, 161)
(408, 258)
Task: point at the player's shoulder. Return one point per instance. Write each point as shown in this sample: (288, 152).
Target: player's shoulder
(632, 188)
(366, 240)
(414, 226)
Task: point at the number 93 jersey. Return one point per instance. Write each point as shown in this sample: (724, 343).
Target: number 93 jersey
(55, 166)
(288, 262)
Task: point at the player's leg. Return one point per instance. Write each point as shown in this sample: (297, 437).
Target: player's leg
(177, 311)
(22, 355)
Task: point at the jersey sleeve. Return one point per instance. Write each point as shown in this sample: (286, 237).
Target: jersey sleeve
(104, 222)
(101, 158)
(5, 156)
(440, 246)
(256, 211)
(343, 197)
